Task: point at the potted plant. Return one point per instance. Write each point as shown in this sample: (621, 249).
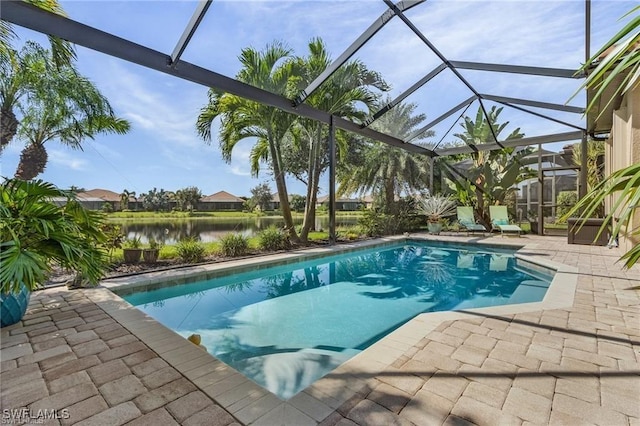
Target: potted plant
(150, 255)
(132, 250)
(37, 234)
(436, 207)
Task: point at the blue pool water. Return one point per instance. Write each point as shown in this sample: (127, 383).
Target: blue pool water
(286, 326)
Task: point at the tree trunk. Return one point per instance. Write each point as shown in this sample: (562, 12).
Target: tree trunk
(390, 196)
(310, 215)
(33, 160)
(312, 188)
(281, 185)
(9, 127)
(482, 210)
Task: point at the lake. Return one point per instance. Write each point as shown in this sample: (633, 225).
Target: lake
(207, 229)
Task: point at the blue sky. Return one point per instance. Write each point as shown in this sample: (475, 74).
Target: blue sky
(163, 149)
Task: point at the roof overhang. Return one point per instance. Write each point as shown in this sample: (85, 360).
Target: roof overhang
(600, 116)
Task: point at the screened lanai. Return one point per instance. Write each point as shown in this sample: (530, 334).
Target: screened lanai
(531, 74)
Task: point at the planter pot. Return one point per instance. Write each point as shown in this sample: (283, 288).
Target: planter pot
(150, 255)
(132, 255)
(13, 306)
(588, 231)
(434, 227)
(534, 226)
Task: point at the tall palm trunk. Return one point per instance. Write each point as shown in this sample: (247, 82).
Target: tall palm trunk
(390, 195)
(481, 210)
(281, 186)
(9, 127)
(33, 161)
(313, 184)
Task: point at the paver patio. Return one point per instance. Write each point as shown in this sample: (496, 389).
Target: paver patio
(574, 365)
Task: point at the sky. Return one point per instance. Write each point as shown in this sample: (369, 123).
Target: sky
(163, 149)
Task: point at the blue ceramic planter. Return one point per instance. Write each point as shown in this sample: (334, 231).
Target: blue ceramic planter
(13, 306)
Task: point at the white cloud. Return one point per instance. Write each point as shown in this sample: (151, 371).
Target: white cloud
(240, 158)
(168, 112)
(67, 159)
(239, 170)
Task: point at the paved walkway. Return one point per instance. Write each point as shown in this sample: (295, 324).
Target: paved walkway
(575, 366)
(70, 356)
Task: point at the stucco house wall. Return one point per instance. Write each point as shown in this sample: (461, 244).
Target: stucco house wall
(623, 150)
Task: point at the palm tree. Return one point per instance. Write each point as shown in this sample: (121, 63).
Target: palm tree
(623, 59)
(271, 70)
(63, 106)
(125, 196)
(20, 77)
(386, 170)
(493, 174)
(344, 94)
(63, 53)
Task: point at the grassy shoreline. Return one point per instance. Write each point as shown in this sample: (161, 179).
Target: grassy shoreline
(144, 215)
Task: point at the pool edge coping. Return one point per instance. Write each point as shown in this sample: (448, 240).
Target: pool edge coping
(249, 402)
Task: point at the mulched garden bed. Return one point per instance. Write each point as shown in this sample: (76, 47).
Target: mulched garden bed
(60, 276)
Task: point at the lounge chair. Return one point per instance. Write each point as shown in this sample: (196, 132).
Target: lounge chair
(500, 220)
(467, 221)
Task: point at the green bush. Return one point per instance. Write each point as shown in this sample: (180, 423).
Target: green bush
(233, 245)
(107, 208)
(348, 233)
(565, 201)
(190, 250)
(273, 239)
(374, 223)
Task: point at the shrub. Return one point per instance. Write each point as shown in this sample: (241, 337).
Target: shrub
(407, 218)
(374, 223)
(190, 250)
(233, 245)
(273, 239)
(348, 233)
(565, 201)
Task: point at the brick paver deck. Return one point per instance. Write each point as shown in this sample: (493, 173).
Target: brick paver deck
(69, 355)
(578, 365)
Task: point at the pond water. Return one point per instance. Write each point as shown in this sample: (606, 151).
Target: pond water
(208, 229)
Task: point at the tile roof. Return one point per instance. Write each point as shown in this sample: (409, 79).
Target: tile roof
(222, 197)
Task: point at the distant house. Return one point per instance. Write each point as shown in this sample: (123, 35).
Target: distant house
(220, 201)
(275, 201)
(368, 201)
(95, 199)
(344, 204)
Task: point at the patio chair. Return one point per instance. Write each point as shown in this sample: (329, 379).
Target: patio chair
(467, 221)
(500, 220)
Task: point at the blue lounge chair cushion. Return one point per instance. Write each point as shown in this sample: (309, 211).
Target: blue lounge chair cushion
(473, 226)
(499, 222)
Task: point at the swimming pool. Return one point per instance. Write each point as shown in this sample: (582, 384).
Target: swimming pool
(286, 326)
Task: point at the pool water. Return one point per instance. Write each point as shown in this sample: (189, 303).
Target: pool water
(286, 326)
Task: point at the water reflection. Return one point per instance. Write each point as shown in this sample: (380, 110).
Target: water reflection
(211, 229)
